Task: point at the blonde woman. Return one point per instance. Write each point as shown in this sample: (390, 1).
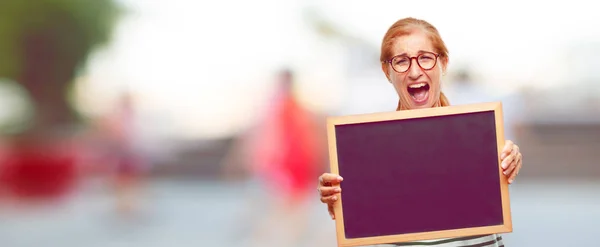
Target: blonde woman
(414, 58)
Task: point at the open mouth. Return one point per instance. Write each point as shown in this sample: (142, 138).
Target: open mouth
(419, 92)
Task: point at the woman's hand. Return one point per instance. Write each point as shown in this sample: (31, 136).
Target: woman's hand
(512, 160)
(329, 191)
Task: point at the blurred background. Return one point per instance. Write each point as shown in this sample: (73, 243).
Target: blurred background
(202, 123)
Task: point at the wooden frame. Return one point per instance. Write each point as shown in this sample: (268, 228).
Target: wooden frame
(333, 122)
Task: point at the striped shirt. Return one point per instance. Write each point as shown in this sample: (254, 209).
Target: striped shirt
(493, 240)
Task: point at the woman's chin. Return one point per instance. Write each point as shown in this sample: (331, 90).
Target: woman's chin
(416, 104)
(420, 106)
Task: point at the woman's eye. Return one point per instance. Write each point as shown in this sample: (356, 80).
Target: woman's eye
(402, 61)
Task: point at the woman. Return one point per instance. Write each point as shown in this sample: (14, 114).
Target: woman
(284, 155)
(414, 58)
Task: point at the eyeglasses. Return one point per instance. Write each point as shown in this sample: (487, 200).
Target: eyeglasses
(402, 63)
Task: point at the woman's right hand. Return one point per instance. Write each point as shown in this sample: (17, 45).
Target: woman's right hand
(329, 189)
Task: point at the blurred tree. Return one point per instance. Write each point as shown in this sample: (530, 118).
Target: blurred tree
(43, 44)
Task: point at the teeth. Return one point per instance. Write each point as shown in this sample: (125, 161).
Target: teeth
(418, 85)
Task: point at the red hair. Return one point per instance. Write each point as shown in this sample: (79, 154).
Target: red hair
(407, 26)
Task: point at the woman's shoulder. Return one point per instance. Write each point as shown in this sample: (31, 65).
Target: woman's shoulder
(492, 240)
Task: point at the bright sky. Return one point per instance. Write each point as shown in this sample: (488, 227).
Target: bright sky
(204, 67)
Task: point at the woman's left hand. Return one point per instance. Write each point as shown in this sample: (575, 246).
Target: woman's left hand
(512, 160)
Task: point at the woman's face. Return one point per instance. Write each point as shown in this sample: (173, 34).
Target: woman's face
(416, 87)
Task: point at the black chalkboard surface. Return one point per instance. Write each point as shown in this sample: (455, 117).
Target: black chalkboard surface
(419, 174)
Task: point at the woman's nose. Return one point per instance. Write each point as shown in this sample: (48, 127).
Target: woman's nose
(414, 72)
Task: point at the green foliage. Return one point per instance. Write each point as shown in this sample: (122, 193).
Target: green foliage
(76, 28)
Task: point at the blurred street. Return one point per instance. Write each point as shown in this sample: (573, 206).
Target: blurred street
(545, 213)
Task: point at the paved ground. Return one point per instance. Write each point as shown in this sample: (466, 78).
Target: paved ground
(211, 214)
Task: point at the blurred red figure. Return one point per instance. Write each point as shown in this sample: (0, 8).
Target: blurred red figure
(283, 153)
(128, 162)
(285, 149)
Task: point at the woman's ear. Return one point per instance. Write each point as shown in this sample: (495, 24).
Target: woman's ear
(444, 61)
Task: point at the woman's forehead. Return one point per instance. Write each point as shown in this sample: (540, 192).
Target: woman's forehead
(412, 44)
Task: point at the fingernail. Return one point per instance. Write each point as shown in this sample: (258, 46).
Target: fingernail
(340, 179)
(504, 165)
(334, 198)
(505, 172)
(510, 181)
(337, 190)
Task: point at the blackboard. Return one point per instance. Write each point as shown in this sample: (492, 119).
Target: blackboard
(419, 174)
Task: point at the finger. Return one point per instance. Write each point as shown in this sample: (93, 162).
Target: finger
(509, 164)
(512, 169)
(506, 162)
(329, 178)
(513, 175)
(518, 167)
(508, 147)
(512, 165)
(514, 152)
(331, 212)
(329, 199)
(327, 191)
